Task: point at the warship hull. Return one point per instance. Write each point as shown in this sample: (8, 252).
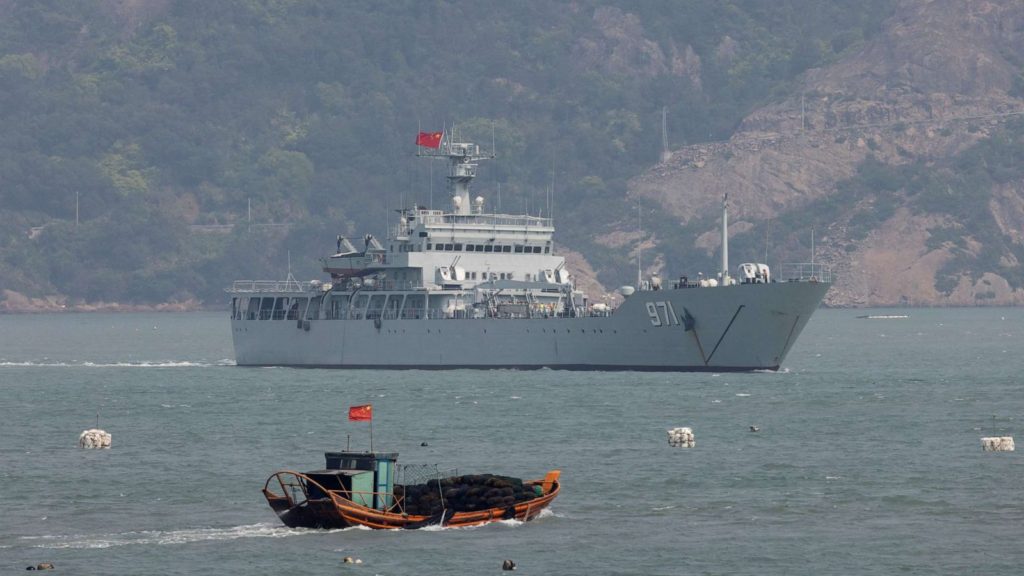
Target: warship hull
(742, 327)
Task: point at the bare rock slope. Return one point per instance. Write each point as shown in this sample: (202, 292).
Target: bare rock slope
(939, 78)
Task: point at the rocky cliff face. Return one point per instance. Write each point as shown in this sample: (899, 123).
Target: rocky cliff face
(940, 77)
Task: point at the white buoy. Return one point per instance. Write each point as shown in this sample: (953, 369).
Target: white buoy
(997, 444)
(94, 438)
(681, 438)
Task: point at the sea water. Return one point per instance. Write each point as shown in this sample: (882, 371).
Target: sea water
(867, 458)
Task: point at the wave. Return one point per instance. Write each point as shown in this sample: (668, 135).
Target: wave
(87, 364)
(161, 537)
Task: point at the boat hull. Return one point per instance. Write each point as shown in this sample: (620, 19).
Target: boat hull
(735, 328)
(336, 511)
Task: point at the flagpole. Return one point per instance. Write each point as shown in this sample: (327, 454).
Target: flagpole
(371, 433)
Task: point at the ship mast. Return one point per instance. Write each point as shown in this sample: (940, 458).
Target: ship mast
(725, 240)
(463, 158)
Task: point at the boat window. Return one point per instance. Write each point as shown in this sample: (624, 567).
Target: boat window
(253, 311)
(414, 306)
(547, 249)
(281, 307)
(297, 307)
(339, 307)
(266, 307)
(376, 306)
(488, 248)
(506, 248)
(458, 247)
(394, 304)
(536, 249)
(359, 307)
(429, 245)
(449, 247)
(519, 248)
(469, 247)
(479, 247)
(510, 275)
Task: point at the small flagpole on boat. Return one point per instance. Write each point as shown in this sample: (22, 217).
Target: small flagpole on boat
(348, 442)
(371, 433)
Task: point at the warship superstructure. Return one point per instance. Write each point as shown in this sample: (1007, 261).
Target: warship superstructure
(468, 288)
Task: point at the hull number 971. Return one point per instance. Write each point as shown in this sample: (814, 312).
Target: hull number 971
(662, 314)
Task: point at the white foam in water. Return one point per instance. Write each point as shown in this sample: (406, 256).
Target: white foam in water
(159, 364)
(511, 522)
(149, 537)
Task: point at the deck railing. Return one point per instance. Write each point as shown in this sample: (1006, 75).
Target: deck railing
(806, 272)
(263, 286)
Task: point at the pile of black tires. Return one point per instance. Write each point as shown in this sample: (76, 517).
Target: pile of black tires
(464, 494)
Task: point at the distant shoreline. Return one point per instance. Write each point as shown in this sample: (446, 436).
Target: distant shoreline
(12, 302)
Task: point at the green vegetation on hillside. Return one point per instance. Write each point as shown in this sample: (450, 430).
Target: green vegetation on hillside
(159, 116)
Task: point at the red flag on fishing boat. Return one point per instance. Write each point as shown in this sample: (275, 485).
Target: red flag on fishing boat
(429, 139)
(364, 412)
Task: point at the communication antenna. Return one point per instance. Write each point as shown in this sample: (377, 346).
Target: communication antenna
(725, 239)
(812, 245)
(802, 113)
(767, 232)
(665, 154)
(639, 243)
(551, 196)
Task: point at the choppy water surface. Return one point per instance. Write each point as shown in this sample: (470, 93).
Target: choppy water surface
(868, 458)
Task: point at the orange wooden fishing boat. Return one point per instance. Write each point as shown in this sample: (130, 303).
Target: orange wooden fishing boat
(360, 489)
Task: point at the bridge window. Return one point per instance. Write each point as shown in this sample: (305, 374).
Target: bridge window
(488, 248)
(519, 248)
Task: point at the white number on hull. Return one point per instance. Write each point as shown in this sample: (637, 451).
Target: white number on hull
(666, 312)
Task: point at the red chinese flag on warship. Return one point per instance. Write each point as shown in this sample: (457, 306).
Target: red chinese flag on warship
(364, 412)
(429, 139)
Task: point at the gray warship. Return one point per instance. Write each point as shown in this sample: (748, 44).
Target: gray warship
(468, 288)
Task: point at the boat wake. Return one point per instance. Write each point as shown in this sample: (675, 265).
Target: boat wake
(154, 364)
(161, 537)
(512, 523)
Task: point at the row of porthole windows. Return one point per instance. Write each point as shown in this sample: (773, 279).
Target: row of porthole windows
(518, 248)
(493, 276)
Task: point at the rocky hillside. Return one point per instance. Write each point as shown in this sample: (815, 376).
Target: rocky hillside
(861, 155)
(155, 150)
